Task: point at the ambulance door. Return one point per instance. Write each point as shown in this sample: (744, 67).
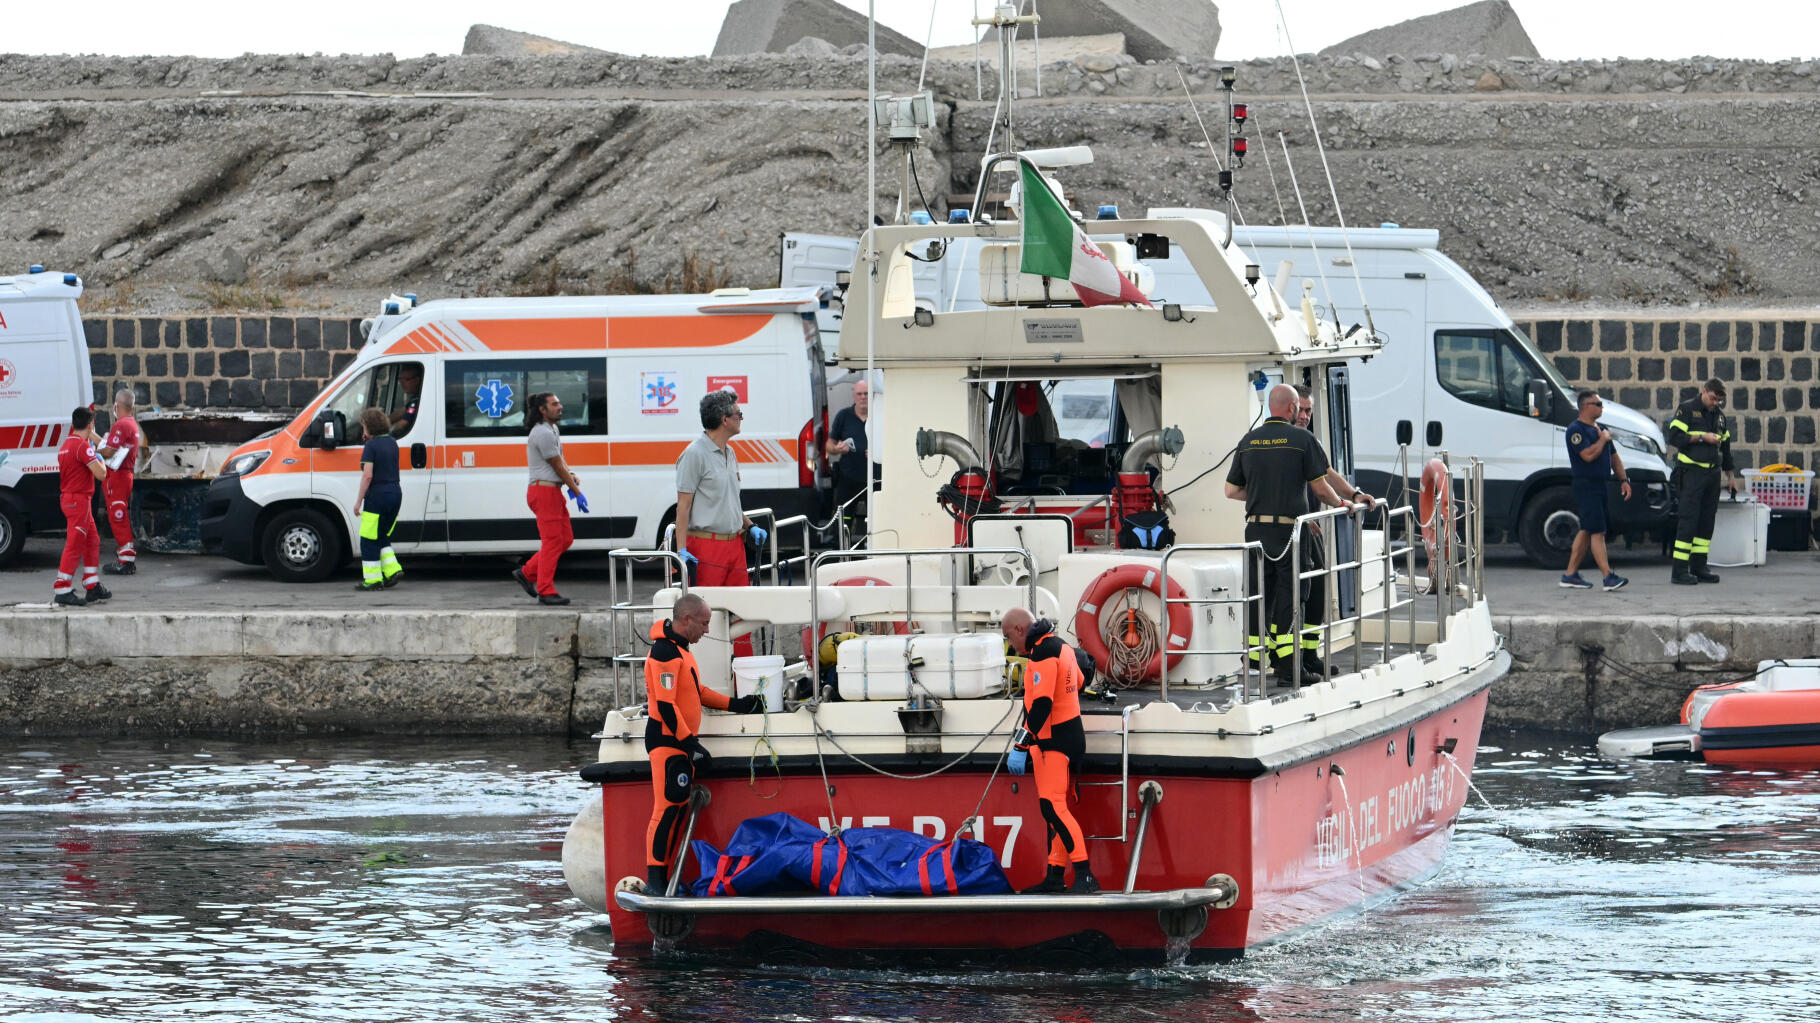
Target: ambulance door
(396, 388)
(485, 457)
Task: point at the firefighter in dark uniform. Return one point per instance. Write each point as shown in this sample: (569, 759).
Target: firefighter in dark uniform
(1314, 548)
(1054, 740)
(1274, 468)
(1704, 440)
(676, 697)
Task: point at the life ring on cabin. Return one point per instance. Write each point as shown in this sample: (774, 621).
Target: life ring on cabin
(1088, 630)
(1437, 515)
(812, 636)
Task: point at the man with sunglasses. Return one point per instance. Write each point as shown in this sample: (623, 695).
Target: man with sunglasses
(1704, 441)
(1593, 459)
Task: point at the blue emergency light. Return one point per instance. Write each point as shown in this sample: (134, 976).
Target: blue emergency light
(920, 217)
(1108, 212)
(37, 268)
(959, 216)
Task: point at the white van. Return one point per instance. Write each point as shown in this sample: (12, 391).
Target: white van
(630, 371)
(1455, 375)
(44, 375)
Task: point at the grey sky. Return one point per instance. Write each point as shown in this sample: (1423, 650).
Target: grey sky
(1755, 29)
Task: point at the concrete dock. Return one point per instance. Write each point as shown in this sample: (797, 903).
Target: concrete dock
(200, 645)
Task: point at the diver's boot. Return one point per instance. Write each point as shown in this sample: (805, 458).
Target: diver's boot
(1084, 881)
(1051, 884)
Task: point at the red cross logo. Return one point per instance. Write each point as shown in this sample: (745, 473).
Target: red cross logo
(6, 373)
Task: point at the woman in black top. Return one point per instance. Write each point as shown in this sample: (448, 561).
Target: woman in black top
(378, 502)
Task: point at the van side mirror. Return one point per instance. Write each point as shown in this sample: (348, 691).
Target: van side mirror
(326, 431)
(1406, 432)
(1541, 401)
(420, 455)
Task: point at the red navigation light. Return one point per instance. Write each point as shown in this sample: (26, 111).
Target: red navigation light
(1239, 146)
(1239, 112)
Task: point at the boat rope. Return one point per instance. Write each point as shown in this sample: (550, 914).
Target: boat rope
(1296, 187)
(764, 740)
(1320, 148)
(849, 754)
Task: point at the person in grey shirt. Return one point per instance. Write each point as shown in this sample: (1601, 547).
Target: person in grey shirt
(548, 471)
(708, 512)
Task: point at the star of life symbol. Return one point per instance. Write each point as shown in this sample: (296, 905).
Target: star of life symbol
(493, 399)
(660, 392)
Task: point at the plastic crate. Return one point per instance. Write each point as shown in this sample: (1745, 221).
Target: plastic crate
(1780, 489)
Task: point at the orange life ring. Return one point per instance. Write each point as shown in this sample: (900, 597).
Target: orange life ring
(1437, 512)
(812, 635)
(1132, 577)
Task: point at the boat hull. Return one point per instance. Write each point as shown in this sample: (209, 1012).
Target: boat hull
(1304, 842)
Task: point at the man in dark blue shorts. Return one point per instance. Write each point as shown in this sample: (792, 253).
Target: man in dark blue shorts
(1593, 458)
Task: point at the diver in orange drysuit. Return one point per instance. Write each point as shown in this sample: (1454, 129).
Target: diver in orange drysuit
(1053, 729)
(675, 695)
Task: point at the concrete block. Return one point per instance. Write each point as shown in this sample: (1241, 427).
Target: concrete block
(33, 636)
(1532, 642)
(491, 40)
(542, 634)
(1759, 638)
(1490, 27)
(771, 26)
(95, 635)
(1705, 641)
(1153, 29)
(381, 634)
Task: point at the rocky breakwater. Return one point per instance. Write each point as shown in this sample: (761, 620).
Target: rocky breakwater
(288, 182)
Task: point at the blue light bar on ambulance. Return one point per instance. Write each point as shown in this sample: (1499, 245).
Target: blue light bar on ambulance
(37, 268)
(71, 279)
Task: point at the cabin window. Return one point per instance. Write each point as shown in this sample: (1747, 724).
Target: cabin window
(390, 387)
(1488, 368)
(487, 397)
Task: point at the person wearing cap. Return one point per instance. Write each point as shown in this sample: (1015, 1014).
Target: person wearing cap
(1274, 468)
(1593, 458)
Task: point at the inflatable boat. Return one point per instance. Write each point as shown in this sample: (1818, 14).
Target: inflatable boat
(1771, 718)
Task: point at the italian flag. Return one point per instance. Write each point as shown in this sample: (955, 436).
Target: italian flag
(1055, 246)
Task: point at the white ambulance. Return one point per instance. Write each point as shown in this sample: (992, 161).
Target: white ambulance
(44, 375)
(630, 370)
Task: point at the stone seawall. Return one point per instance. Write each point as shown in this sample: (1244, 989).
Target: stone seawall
(1771, 363)
(403, 672)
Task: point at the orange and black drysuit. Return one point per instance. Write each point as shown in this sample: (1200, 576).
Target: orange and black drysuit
(674, 701)
(1052, 725)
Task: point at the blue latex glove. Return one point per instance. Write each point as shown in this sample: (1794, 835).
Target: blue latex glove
(580, 499)
(759, 533)
(690, 559)
(1017, 761)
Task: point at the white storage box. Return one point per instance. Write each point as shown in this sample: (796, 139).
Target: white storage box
(954, 667)
(1740, 535)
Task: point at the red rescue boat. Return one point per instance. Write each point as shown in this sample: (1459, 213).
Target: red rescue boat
(1771, 719)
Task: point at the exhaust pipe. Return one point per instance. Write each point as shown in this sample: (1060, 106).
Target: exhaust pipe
(1164, 441)
(930, 443)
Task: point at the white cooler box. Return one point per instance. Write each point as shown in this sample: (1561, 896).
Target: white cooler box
(954, 667)
(1740, 535)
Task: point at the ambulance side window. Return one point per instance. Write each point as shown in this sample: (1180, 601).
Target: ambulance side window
(486, 397)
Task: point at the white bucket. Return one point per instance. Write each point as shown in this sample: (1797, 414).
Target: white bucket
(762, 675)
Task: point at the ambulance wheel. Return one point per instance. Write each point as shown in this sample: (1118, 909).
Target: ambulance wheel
(1547, 526)
(12, 533)
(301, 546)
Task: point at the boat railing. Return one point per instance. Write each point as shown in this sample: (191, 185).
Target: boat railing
(1251, 554)
(1459, 575)
(958, 575)
(622, 613)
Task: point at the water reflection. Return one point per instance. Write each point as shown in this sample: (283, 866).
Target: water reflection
(419, 880)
